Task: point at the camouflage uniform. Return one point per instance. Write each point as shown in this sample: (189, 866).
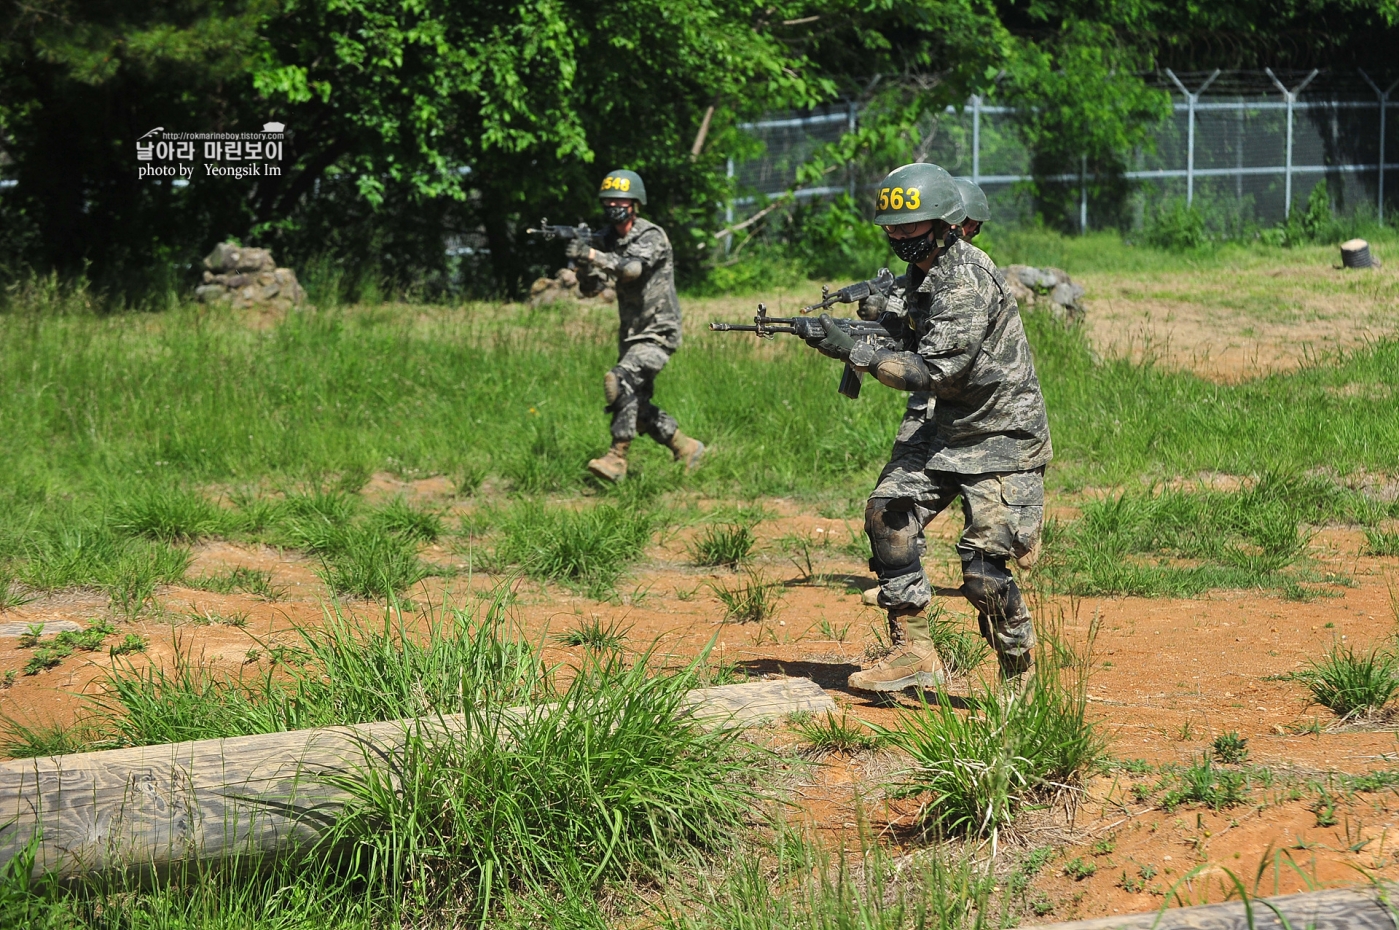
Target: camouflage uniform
(983, 434)
(650, 323)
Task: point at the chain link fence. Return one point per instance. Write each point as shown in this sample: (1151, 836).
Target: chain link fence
(1245, 148)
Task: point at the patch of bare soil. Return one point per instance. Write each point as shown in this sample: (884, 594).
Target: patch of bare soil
(1234, 324)
(1169, 676)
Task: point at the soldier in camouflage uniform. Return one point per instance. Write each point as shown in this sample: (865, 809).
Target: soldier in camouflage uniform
(986, 437)
(636, 256)
(913, 442)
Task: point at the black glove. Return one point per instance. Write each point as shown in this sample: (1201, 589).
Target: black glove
(578, 249)
(834, 343)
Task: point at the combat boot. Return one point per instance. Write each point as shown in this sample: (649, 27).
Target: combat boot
(612, 466)
(914, 663)
(686, 450)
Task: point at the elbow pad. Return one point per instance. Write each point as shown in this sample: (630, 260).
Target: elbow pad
(902, 371)
(629, 270)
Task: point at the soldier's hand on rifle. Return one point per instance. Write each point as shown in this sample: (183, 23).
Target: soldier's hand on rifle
(579, 250)
(871, 307)
(834, 343)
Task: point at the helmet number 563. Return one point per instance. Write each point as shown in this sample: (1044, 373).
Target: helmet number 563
(898, 198)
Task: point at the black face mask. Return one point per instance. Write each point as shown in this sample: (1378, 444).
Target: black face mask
(616, 215)
(914, 251)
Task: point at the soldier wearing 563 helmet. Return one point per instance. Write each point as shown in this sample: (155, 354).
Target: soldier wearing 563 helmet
(989, 438)
(636, 257)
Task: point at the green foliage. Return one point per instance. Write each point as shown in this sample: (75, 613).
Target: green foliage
(511, 813)
(976, 770)
(347, 671)
(1175, 226)
(729, 545)
(1202, 783)
(1381, 542)
(1230, 748)
(1351, 684)
(1129, 544)
(590, 547)
(829, 734)
(961, 650)
(594, 634)
(752, 600)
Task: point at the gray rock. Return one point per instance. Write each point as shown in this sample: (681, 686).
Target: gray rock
(207, 293)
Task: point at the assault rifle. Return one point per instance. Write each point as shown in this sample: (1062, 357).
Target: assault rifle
(810, 328)
(581, 231)
(881, 283)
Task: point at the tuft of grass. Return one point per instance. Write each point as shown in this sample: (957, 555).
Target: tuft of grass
(729, 545)
(365, 561)
(1353, 685)
(510, 812)
(347, 671)
(46, 657)
(1202, 783)
(9, 595)
(595, 635)
(829, 734)
(977, 770)
(752, 600)
(254, 581)
(31, 636)
(961, 650)
(1381, 542)
(131, 642)
(1079, 868)
(400, 518)
(1230, 748)
(168, 515)
(589, 548)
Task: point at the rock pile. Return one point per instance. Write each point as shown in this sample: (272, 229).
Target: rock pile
(1048, 289)
(248, 278)
(564, 286)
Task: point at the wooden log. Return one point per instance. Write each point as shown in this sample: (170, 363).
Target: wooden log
(1362, 908)
(151, 807)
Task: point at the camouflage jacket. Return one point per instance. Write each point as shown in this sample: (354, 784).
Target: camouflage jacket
(646, 298)
(973, 361)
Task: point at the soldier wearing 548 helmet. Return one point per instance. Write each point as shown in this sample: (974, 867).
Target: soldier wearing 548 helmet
(636, 257)
(989, 439)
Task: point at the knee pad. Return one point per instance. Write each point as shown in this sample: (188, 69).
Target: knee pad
(986, 582)
(894, 535)
(617, 387)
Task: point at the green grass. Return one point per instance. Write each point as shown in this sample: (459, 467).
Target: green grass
(1381, 542)
(347, 671)
(1202, 783)
(594, 634)
(1230, 748)
(1352, 684)
(589, 547)
(752, 599)
(826, 734)
(975, 770)
(608, 783)
(1182, 543)
(729, 545)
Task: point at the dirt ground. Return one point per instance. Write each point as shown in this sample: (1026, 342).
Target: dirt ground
(1168, 676)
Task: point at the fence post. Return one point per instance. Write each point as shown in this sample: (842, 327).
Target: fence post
(1083, 196)
(1190, 99)
(1291, 97)
(729, 206)
(976, 139)
(850, 127)
(1384, 105)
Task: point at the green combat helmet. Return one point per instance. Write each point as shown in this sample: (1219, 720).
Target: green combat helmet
(973, 200)
(918, 192)
(622, 185)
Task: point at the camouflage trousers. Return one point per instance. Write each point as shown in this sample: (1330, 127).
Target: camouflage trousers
(633, 411)
(1003, 514)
